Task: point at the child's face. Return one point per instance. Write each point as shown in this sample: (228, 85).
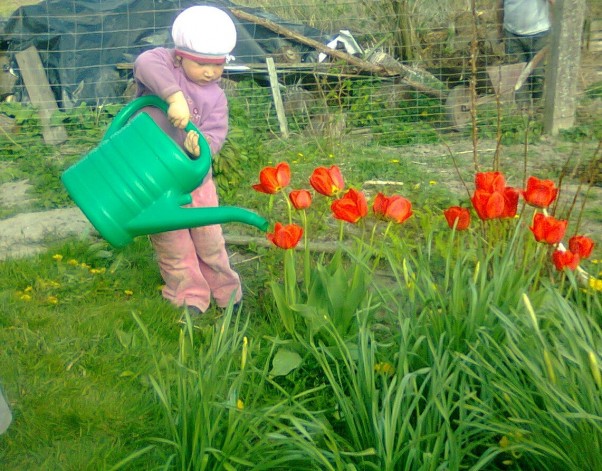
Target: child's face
(202, 74)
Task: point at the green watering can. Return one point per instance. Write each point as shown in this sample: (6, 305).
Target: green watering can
(137, 179)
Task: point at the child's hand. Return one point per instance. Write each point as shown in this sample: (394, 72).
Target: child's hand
(178, 112)
(191, 144)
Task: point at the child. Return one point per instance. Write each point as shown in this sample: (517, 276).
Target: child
(193, 262)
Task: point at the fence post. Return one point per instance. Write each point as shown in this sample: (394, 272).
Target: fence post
(40, 94)
(562, 70)
(277, 97)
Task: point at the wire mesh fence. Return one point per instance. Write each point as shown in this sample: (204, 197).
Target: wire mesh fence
(399, 72)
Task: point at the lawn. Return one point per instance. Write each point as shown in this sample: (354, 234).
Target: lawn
(401, 345)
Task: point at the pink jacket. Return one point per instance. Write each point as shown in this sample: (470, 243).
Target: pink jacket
(156, 73)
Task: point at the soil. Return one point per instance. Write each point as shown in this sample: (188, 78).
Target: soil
(29, 233)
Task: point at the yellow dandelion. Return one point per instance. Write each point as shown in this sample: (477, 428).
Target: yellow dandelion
(432, 182)
(29, 289)
(72, 262)
(300, 154)
(84, 265)
(25, 297)
(97, 271)
(595, 261)
(128, 292)
(52, 299)
(394, 161)
(58, 257)
(595, 284)
(239, 404)
(385, 368)
(331, 156)
(504, 442)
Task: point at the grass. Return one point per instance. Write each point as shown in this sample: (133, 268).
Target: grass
(441, 363)
(74, 363)
(10, 6)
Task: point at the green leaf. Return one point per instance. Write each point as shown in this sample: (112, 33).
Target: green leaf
(284, 362)
(315, 316)
(126, 339)
(286, 314)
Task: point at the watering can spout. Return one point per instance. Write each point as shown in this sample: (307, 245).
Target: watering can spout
(165, 216)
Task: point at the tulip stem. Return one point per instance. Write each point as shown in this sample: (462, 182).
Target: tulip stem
(373, 233)
(289, 206)
(306, 265)
(289, 279)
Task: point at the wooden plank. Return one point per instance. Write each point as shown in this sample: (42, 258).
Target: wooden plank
(407, 74)
(562, 70)
(40, 94)
(318, 46)
(277, 97)
(414, 78)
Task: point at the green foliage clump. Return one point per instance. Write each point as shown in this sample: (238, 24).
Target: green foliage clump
(248, 105)
(514, 127)
(405, 120)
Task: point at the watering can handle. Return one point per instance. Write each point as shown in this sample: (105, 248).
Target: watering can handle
(136, 105)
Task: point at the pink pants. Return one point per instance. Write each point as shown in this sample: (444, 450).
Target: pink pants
(194, 262)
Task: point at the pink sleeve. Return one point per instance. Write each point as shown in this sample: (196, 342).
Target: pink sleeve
(154, 70)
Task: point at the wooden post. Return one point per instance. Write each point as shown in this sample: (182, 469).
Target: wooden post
(40, 94)
(277, 97)
(562, 70)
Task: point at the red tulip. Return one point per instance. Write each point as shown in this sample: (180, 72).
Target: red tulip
(490, 181)
(581, 245)
(540, 193)
(285, 237)
(396, 208)
(327, 181)
(548, 229)
(510, 202)
(273, 179)
(488, 205)
(351, 207)
(461, 215)
(301, 199)
(565, 259)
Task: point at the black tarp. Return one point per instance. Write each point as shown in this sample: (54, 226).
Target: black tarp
(81, 42)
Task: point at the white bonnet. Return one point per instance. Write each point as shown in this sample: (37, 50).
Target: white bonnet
(204, 34)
